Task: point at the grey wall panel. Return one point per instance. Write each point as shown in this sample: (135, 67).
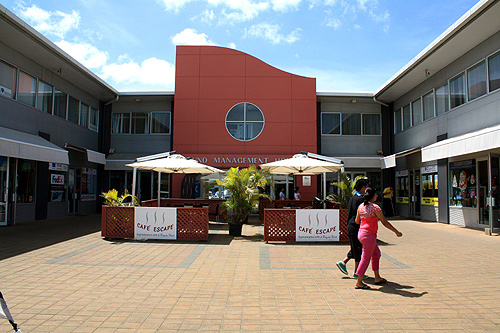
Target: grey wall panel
(25, 212)
(20, 117)
(354, 145)
(429, 213)
(87, 207)
(402, 210)
(465, 217)
(57, 209)
(141, 144)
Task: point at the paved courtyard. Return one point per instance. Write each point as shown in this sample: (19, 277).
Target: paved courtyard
(61, 276)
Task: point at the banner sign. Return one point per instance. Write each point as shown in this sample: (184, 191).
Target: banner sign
(317, 225)
(155, 223)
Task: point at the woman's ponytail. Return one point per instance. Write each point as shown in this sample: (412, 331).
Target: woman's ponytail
(369, 194)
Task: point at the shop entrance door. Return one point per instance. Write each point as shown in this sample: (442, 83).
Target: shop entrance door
(483, 176)
(415, 193)
(494, 192)
(74, 190)
(4, 190)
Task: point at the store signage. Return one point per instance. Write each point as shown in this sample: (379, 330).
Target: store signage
(56, 179)
(230, 160)
(430, 201)
(58, 167)
(467, 164)
(402, 173)
(402, 200)
(429, 169)
(317, 225)
(155, 223)
(88, 197)
(306, 180)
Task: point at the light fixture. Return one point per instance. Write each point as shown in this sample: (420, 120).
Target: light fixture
(138, 100)
(354, 101)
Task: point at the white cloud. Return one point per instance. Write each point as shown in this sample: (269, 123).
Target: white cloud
(342, 11)
(88, 55)
(232, 46)
(271, 33)
(333, 22)
(189, 36)
(152, 71)
(50, 23)
(285, 5)
(174, 5)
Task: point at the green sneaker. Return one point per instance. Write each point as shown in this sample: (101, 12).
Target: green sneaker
(342, 267)
(356, 276)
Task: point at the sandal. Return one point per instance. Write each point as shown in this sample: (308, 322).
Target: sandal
(381, 281)
(365, 286)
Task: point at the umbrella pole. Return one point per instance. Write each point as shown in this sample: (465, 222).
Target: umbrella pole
(324, 190)
(159, 186)
(134, 179)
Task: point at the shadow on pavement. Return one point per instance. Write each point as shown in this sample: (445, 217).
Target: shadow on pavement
(34, 235)
(399, 289)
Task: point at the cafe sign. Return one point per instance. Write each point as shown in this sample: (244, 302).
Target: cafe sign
(155, 223)
(317, 225)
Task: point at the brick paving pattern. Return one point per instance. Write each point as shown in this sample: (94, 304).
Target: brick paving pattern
(61, 276)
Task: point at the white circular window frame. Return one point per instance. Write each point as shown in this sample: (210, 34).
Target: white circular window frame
(244, 121)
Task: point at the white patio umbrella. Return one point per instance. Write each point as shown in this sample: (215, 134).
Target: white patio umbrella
(173, 163)
(301, 164)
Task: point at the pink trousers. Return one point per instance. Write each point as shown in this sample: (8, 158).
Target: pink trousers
(370, 251)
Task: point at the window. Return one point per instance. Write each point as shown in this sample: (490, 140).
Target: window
(93, 118)
(44, 98)
(402, 191)
(476, 81)
(457, 91)
(330, 123)
(120, 123)
(139, 123)
(416, 108)
(244, 121)
(26, 181)
(160, 122)
(442, 99)
(406, 117)
(8, 76)
(60, 100)
(351, 123)
(73, 110)
(84, 115)
(398, 121)
(89, 184)
(371, 124)
(494, 71)
(463, 183)
(428, 105)
(430, 189)
(27, 89)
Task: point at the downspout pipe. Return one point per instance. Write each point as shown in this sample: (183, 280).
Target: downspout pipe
(379, 102)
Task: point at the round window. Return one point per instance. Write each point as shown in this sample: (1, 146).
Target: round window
(244, 121)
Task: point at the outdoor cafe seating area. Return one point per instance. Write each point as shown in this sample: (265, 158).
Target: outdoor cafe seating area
(188, 219)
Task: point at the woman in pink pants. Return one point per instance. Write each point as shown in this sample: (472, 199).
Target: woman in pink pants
(368, 215)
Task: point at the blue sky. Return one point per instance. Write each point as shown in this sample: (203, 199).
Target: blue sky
(347, 45)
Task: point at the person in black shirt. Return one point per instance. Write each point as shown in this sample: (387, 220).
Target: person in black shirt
(353, 228)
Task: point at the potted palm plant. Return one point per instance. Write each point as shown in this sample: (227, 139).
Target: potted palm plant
(244, 185)
(345, 191)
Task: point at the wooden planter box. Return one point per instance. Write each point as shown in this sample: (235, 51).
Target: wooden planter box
(119, 222)
(279, 225)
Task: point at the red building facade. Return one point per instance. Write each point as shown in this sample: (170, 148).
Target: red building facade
(210, 81)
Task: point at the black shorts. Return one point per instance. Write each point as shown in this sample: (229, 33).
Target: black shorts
(356, 246)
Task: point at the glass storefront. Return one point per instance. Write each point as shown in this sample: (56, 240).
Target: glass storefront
(402, 187)
(429, 186)
(463, 185)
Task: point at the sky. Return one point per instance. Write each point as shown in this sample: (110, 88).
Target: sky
(347, 45)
